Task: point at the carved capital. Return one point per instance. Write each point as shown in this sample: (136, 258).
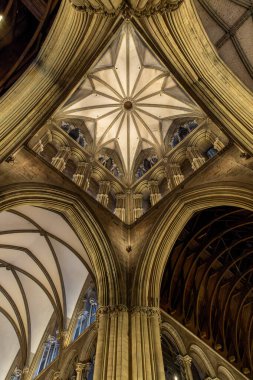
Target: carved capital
(79, 367)
(145, 310)
(111, 310)
(126, 10)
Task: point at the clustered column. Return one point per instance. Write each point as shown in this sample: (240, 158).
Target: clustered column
(196, 158)
(146, 351)
(155, 195)
(60, 159)
(82, 175)
(112, 345)
(175, 175)
(43, 141)
(104, 188)
(137, 206)
(120, 209)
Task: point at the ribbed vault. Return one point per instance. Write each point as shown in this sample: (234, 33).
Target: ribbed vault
(229, 27)
(208, 282)
(45, 255)
(42, 271)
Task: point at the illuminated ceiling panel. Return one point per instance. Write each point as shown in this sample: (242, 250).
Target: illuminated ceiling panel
(131, 99)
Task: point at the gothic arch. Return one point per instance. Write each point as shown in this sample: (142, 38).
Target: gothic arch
(224, 373)
(202, 360)
(184, 204)
(169, 331)
(103, 260)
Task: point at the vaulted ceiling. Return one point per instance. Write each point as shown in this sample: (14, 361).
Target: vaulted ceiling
(208, 282)
(229, 26)
(128, 101)
(43, 267)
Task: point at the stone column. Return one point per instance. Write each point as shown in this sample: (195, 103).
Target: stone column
(104, 188)
(82, 175)
(137, 206)
(86, 371)
(120, 209)
(112, 354)
(196, 158)
(175, 175)
(59, 161)
(155, 195)
(185, 366)
(25, 375)
(79, 370)
(56, 375)
(146, 350)
(39, 146)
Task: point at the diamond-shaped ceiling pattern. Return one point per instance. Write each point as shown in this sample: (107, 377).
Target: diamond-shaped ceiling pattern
(131, 99)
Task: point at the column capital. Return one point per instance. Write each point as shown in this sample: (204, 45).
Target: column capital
(79, 367)
(186, 359)
(56, 375)
(146, 310)
(111, 309)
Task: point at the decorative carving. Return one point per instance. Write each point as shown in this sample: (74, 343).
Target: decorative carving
(111, 309)
(127, 11)
(149, 311)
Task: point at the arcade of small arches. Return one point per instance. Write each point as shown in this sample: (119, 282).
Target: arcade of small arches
(190, 146)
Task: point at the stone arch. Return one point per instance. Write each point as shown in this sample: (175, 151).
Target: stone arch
(171, 333)
(67, 363)
(225, 374)
(202, 361)
(183, 205)
(89, 347)
(103, 260)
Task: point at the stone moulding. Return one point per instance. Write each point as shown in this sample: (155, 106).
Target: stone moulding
(116, 309)
(127, 10)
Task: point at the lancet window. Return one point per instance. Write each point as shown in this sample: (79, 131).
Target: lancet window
(182, 132)
(87, 315)
(50, 352)
(146, 165)
(74, 133)
(109, 164)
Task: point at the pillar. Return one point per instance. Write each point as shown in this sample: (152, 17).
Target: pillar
(59, 161)
(86, 371)
(146, 350)
(104, 188)
(185, 366)
(25, 373)
(112, 354)
(79, 371)
(120, 209)
(137, 206)
(196, 158)
(155, 195)
(82, 175)
(175, 175)
(218, 144)
(43, 141)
